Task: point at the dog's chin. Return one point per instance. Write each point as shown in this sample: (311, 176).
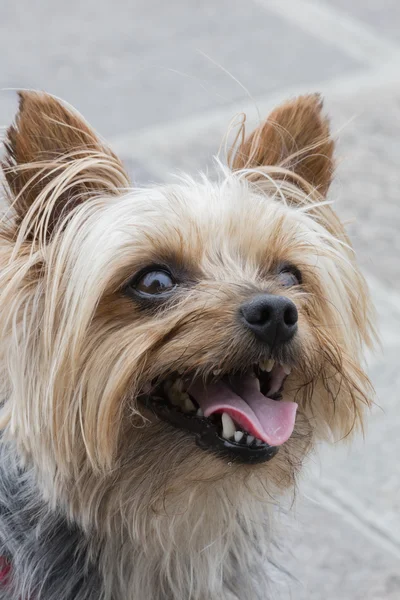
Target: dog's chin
(239, 415)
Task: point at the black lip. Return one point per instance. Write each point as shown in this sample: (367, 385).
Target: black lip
(206, 434)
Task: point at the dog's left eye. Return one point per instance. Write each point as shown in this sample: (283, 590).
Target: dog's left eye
(289, 275)
(154, 283)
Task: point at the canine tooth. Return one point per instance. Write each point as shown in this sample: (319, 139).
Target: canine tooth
(286, 369)
(238, 435)
(228, 426)
(188, 405)
(250, 439)
(200, 412)
(217, 372)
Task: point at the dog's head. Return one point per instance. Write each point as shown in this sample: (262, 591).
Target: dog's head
(184, 329)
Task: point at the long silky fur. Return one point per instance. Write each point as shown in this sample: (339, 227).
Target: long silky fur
(97, 499)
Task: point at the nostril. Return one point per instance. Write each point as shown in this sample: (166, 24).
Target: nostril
(266, 315)
(290, 315)
(256, 314)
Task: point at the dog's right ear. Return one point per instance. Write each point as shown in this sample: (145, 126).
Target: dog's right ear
(296, 139)
(53, 162)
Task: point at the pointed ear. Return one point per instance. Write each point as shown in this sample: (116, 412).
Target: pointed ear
(54, 160)
(295, 137)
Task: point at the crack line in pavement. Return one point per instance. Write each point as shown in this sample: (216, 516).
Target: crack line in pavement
(337, 27)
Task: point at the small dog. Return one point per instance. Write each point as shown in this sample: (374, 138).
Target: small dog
(169, 356)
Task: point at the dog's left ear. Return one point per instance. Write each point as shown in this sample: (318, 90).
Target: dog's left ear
(54, 161)
(295, 137)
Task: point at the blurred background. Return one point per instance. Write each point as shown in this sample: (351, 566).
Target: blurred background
(161, 80)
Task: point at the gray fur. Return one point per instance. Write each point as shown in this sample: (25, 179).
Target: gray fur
(49, 556)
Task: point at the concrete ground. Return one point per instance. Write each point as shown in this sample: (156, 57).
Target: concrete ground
(162, 80)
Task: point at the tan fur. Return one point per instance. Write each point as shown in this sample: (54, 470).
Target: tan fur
(45, 139)
(76, 352)
(295, 136)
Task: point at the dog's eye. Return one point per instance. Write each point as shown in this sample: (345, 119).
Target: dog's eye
(154, 283)
(289, 275)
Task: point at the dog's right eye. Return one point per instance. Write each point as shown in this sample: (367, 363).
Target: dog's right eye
(152, 283)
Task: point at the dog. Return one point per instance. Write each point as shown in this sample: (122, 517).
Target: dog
(169, 357)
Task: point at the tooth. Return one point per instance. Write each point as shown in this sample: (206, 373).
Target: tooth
(286, 369)
(250, 439)
(267, 365)
(238, 435)
(217, 372)
(258, 442)
(177, 397)
(228, 426)
(188, 405)
(200, 412)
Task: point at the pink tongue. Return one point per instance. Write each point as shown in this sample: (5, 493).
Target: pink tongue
(269, 420)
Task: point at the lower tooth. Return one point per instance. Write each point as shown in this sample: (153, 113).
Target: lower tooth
(200, 412)
(250, 439)
(228, 426)
(238, 435)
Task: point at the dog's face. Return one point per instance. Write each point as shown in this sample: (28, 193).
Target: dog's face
(194, 326)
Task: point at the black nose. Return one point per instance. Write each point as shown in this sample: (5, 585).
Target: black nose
(273, 319)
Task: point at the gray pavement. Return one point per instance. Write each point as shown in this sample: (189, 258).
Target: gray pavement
(162, 80)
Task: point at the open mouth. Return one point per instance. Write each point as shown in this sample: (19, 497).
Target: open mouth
(240, 415)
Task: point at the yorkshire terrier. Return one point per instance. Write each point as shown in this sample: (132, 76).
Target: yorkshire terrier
(169, 356)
